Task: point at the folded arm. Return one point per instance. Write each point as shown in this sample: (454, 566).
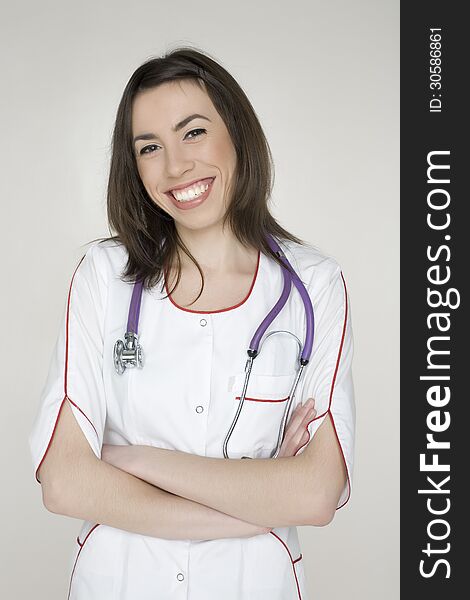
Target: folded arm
(292, 490)
(77, 484)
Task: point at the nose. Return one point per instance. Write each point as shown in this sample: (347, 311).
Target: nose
(178, 161)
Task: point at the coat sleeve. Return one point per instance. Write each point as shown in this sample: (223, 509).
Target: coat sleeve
(76, 365)
(328, 375)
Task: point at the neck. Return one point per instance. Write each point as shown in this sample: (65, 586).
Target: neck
(215, 250)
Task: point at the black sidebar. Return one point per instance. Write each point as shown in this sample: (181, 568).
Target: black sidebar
(435, 356)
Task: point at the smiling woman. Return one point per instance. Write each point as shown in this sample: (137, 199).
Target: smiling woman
(209, 155)
(141, 454)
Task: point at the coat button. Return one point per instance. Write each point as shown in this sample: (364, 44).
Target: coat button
(199, 409)
(202, 322)
(180, 577)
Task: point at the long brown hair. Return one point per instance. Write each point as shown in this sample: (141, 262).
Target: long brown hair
(149, 233)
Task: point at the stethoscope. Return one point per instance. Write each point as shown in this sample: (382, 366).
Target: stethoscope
(129, 354)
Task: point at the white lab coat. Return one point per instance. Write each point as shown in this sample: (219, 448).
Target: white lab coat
(158, 406)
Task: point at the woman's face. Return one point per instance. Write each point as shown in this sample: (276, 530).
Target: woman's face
(200, 149)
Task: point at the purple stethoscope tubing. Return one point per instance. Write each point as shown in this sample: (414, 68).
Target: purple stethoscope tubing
(129, 354)
(289, 277)
(294, 278)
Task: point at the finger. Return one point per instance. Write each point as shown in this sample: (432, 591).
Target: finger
(311, 414)
(301, 425)
(298, 417)
(309, 403)
(299, 440)
(294, 425)
(299, 414)
(298, 426)
(296, 421)
(296, 442)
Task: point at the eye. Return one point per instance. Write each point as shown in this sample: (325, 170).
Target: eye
(194, 130)
(144, 149)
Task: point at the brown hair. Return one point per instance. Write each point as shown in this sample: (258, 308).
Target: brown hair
(149, 233)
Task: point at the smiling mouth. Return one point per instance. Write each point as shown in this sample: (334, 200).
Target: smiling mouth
(193, 191)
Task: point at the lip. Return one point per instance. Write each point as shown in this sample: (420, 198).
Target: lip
(196, 201)
(185, 185)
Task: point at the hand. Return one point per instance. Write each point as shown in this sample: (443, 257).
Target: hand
(296, 434)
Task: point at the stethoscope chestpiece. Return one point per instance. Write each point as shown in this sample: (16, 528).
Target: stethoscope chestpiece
(128, 354)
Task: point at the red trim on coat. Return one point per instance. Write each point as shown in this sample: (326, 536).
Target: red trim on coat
(78, 554)
(331, 396)
(50, 440)
(67, 326)
(208, 312)
(345, 466)
(261, 399)
(66, 397)
(291, 560)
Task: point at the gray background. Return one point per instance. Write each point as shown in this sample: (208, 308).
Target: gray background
(323, 78)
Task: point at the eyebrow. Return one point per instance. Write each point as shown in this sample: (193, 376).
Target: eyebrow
(177, 127)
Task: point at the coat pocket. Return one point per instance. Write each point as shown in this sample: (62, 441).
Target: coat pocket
(288, 544)
(256, 431)
(97, 565)
(100, 550)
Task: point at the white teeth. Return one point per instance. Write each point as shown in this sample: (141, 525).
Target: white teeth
(191, 193)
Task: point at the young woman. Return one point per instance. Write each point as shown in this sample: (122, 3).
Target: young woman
(147, 456)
